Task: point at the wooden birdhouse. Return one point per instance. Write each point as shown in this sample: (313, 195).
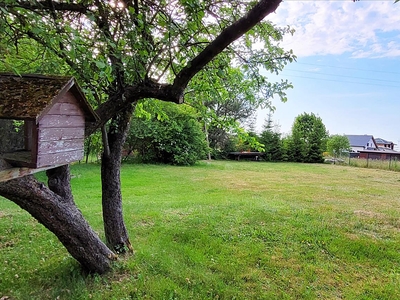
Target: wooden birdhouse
(53, 111)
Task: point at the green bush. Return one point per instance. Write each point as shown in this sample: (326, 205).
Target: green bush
(175, 138)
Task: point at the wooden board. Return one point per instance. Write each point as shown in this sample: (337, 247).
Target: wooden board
(14, 173)
(65, 109)
(57, 121)
(60, 146)
(18, 155)
(62, 158)
(56, 134)
(19, 158)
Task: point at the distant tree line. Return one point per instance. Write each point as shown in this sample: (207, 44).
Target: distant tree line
(306, 142)
(176, 135)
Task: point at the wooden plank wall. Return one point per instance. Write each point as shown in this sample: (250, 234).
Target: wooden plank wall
(61, 133)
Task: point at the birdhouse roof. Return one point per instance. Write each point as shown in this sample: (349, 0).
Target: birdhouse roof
(31, 96)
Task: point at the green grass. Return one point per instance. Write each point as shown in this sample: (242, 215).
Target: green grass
(223, 230)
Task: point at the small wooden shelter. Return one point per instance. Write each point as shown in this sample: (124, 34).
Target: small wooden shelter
(53, 110)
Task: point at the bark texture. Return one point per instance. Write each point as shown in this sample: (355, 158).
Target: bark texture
(115, 230)
(54, 207)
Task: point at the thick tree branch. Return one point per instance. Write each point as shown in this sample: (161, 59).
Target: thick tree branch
(120, 102)
(226, 37)
(45, 5)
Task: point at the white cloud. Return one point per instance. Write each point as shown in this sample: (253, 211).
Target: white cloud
(363, 29)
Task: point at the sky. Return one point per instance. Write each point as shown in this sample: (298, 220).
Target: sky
(348, 66)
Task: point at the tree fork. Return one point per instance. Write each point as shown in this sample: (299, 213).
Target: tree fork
(58, 180)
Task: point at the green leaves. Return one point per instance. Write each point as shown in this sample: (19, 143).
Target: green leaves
(173, 137)
(309, 133)
(100, 64)
(104, 44)
(337, 145)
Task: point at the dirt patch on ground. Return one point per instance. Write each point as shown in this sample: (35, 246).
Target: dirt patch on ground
(378, 224)
(368, 214)
(145, 223)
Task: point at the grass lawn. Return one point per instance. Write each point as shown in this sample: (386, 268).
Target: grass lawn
(222, 230)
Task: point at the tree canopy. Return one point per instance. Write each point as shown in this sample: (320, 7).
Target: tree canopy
(309, 136)
(271, 139)
(144, 49)
(337, 145)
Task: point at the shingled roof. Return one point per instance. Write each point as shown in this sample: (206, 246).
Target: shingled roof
(382, 141)
(359, 140)
(30, 96)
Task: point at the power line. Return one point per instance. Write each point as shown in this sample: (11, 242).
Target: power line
(349, 68)
(347, 76)
(341, 81)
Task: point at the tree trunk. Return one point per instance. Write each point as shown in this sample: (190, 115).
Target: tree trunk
(54, 207)
(116, 234)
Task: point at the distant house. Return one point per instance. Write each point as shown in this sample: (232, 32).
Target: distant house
(387, 154)
(384, 144)
(366, 146)
(362, 142)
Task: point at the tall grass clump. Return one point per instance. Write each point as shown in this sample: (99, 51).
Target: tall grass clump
(389, 164)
